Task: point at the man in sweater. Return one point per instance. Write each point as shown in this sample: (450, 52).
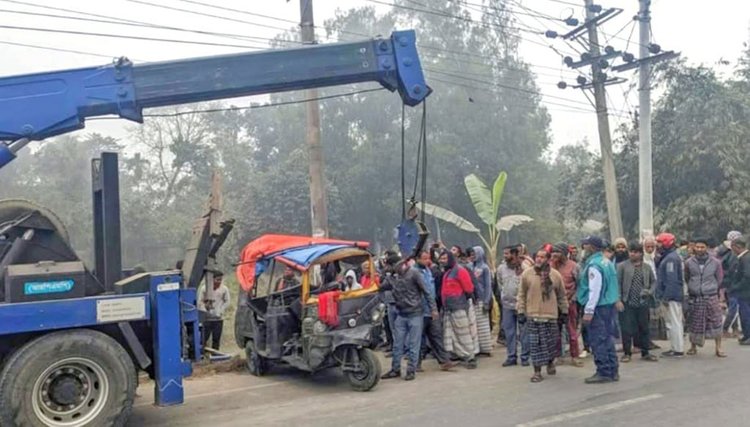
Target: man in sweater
(459, 335)
(541, 301)
(599, 294)
(703, 274)
(568, 269)
(728, 261)
(637, 282)
(509, 279)
(215, 309)
(483, 295)
(740, 286)
(670, 291)
(409, 292)
(432, 329)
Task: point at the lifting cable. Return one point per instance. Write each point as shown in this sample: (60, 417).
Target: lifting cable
(421, 165)
(412, 233)
(403, 160)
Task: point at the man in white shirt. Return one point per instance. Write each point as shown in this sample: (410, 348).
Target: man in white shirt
(215, 309)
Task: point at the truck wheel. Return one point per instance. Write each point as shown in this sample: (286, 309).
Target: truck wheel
(368, 374)
(69, 378)
(256, 364)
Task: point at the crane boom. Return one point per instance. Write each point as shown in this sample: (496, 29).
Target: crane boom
(38, 106)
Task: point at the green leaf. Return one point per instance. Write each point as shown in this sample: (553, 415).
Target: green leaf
(497, 193)
(448, 216)
(509, 221)
(481, 198)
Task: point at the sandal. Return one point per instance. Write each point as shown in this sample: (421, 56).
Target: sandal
(537, 378)
(625, 358)
(721, 354)
(692, 352)
(578, 363)
(551, 370)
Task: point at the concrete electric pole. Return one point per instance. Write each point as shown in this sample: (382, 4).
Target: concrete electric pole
(318, 207)
(605, 138)
(645, 181)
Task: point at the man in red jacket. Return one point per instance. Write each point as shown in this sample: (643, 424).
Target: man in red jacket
(459, 334)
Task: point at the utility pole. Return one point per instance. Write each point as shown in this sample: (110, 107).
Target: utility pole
(318, 207)
(605, 138)
(645, 181)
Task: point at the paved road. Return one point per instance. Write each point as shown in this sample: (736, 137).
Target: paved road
(694, 391)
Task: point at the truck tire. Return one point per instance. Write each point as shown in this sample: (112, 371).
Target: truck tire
(77, 377)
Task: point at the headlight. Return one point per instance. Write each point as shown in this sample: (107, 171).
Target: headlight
(378, 312)
(352, 322)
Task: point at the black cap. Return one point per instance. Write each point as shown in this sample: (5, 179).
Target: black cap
(594, 241)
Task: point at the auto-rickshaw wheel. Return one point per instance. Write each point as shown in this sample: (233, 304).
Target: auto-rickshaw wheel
(257, 365)
(368, 375)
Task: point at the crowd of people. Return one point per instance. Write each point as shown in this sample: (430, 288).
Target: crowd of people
(558, 301)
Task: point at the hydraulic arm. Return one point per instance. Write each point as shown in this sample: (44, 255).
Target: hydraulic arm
(38, 106)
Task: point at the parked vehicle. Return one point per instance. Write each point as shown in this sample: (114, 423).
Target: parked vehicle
(295, 307)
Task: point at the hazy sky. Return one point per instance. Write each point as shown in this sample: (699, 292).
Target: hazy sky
(705, 32)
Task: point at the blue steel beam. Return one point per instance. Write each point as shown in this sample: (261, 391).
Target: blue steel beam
(72, 313)
(171, 306)
(39, 106)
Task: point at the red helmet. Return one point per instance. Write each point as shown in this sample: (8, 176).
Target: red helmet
(666, 240)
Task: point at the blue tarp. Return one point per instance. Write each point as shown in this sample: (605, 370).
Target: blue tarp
(305, 256)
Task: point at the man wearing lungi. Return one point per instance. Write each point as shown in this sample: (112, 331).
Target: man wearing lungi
(541, 301)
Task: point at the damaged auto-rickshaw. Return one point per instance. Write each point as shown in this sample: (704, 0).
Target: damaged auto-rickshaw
(296, 307)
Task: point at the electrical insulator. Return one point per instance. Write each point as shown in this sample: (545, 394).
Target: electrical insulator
(568, 61)
(581, 80)
(628, 57)
(595, 8)
(573, 22)
(602, 77)
(585, 56)
(603, 63)
(551, 34)
(562, 85)
(609, 50)
(654, 48)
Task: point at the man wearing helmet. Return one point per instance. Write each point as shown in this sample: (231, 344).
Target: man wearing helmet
(670, 290)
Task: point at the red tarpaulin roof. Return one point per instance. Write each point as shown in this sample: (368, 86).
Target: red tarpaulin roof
(270, 244)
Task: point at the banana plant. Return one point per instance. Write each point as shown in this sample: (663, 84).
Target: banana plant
(487, 206)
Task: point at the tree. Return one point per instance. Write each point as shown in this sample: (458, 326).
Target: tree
(487, 206)
(700, 128)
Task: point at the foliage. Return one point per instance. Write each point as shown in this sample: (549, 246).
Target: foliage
(700, 128)
(487, 205)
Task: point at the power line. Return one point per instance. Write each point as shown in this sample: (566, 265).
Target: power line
(442, 14)
(529, 91)
(267, 105)
(480, 5)
(125, 36)
(225, 18)
(244, 12)
(421, 46)
(56, 49)
(485, 89)
(133, 24)
(275, 18)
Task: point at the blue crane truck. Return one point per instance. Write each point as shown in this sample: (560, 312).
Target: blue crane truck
(72, 337)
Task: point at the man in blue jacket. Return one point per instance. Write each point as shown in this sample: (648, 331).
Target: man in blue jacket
(599, 294)
(670, 290)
